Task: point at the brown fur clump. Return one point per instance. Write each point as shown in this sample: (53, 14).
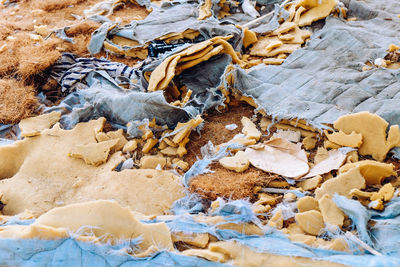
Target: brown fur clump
(82, 34)
(35, 59)
(50, 5)
(17, 101)
(214, 129)
(227, 184)
(8, 60)
(222, 182)
(26, 57)
(84, 27)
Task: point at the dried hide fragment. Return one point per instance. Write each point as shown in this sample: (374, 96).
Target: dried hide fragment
(281, 157)
(333, 162)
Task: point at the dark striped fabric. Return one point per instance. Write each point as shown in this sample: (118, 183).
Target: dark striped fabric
(70, 71)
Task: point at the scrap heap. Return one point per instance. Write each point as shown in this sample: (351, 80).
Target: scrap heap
(199, 133)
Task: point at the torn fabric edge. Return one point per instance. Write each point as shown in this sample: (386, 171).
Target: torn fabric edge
(97, 93)
(209, 155)
(171, 17)
(318, 84)
(31, 252)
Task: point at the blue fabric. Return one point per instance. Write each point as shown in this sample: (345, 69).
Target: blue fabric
(70, 252)
(357, 213)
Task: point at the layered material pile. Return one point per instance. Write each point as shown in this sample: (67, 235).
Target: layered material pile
(265, 135)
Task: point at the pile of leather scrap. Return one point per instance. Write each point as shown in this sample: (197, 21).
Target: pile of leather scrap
(195, 133)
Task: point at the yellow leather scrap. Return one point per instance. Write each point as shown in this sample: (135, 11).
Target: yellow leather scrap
(184, 129)
(259, 48)
(331, 145)
(276, 220)
(264, 123)
(393, 48)
(289, 197)
(385, 193)
(113, 135)
(166, 71)
(237, 163)
(205, 10)
(310, 183)
(119, 45)
(150, 143)
(302, 238)
(249, 100)
(373, 172)
(266, 199)
(195, 239)
(285, 27)
(360, 194)
(189, 64)
(34, 125)
(331, 214)
(93, 153)
(182, 146)
(66, 180)
(342, 184)
(130, 146)
(278, 184)
(249, 37)
(352, 157)
(187, 34)
(241, 255)
(260, 209)
(270, 46)
(299, 11)
(351, 140)
(170, 151)
(221, 223)
(317, 9)
(309, 142)
(338, 244)
(297, 36)
(238, 140)
(110, 221)
(169, 142)
(250, 129)
(311, 222)
(273, 44)
(299, 123)
(283, 49)
(183, 165)
(376, 204)
(291, 8)
(307, 203)
(272, 61)
(152, 161)
(34, 231)
(293, 228)
(206, 254)
(322, 154)
(197, 55)
(373, 129)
